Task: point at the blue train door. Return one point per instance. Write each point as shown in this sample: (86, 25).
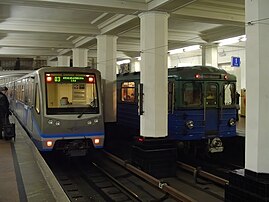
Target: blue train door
(211, 109)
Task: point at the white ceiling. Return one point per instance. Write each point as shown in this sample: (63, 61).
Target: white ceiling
(48, 28)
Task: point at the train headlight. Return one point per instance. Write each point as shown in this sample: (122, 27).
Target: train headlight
(89, 122)
(232, 122)
(57, 123)
(190, 124)
(49, 143)
(96, 141)
(95, 120)
(50, 121)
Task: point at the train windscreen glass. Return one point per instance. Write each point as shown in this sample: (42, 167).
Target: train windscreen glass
(71, 93)
(192, 94)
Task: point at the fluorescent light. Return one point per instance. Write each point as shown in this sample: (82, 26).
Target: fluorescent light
(185, 49)
(191, 48)
(176, 51)
(232, 40)
(123, 62)
(228, 41)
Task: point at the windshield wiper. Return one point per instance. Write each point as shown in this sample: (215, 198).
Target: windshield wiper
(81, 114)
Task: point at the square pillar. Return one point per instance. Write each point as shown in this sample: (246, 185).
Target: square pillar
(154, 73)
(80, 57)
(63, 61)
(252, 183)
(210, 55)
(106, 64)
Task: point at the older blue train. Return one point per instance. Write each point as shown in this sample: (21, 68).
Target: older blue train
(201, 105)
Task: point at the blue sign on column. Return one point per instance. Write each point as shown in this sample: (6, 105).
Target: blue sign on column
(235, 62)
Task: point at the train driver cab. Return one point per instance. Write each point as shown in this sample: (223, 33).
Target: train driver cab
(69, 93)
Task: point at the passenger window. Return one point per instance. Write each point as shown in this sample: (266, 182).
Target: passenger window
(128, 92)
(211, 94)
(229, 94)
(192, 94)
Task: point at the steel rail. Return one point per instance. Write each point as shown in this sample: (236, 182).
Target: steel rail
(152, 180)
(204, 174)
(126, 190)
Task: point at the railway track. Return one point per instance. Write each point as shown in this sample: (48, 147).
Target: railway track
(205, 178)
(183, 184)
(100, 179)
(106, 177)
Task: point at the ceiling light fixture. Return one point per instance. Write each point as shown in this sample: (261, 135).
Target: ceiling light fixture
(123, 62)
(232, 40)
(185, 49)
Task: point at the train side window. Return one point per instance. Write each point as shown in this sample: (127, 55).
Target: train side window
(229, 94)
(128, 92)
(30, 91)
(211, 94)
(18, 91)
(22, 92)
(26, 91)
(192, 94)
(37, 99)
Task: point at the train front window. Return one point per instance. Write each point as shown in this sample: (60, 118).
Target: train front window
(128, 92)
(71, 93)
(192, 93)
(229, 94)
(211, 94)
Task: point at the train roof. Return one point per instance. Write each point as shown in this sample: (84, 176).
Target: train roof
(61, 69)
(13, 73)
(66, 69)
(188, 72)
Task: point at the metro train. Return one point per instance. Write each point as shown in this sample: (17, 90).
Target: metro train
(61, 108)
(201, 106)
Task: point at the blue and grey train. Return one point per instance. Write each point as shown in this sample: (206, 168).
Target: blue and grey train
(201, 106)
(61, 108)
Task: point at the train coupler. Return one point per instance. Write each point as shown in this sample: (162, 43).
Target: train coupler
(215, 145)
(76, 148)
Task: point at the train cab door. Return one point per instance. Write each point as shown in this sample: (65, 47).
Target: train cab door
(211, 115)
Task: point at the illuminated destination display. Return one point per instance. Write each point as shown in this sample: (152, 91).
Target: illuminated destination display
(69, 79)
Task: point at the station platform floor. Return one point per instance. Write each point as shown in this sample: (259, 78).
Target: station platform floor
(24, 175)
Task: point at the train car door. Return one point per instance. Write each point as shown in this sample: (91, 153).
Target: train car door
(171, 98)
(30, 103)
(211, 108)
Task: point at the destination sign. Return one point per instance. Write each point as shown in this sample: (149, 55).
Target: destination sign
(69, 79)
(61, 78)
(211, 76)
